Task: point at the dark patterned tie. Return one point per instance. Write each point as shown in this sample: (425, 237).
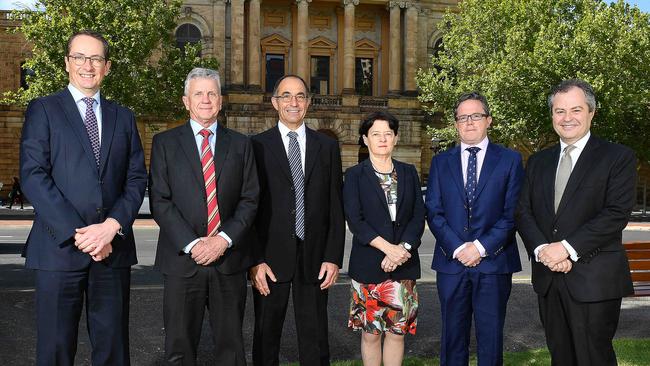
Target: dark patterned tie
(470, 185)
(207, 161)
(91, 127)
(563, 174)
(295, 163)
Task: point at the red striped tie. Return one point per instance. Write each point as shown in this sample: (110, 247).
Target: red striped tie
(207, 161)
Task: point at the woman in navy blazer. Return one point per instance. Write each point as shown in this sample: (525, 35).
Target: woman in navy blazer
(385, 213)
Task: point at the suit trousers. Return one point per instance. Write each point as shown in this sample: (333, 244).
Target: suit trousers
(578, 333)
(59, 301)
(310, 311)
(184, 304)
(486, 297)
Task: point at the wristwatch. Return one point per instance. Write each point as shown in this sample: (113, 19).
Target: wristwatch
(406, 246)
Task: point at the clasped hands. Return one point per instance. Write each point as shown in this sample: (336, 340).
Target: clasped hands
(555, 257)
(95, 240)
(209, 249)
(396, 255)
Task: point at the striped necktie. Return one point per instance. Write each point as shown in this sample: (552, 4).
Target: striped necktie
(207, 161)
(295, 164)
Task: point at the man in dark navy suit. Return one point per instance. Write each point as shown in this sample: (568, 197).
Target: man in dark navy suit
(471, 198)
(82, 167)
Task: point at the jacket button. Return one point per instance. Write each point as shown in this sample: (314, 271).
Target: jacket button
(465, 228)
(554, 231)
(98, 210)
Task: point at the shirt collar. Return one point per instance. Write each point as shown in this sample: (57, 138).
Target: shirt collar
(284, 130)
(196, 127)
(580, 144)
(482, 145)
(77, 95)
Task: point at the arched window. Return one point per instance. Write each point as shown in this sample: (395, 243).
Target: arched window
(187, 33)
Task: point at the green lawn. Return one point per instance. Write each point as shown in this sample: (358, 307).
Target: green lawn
(630, 352)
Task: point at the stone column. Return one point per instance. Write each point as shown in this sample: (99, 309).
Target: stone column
(219, 36)
(302, 49)
(254, 80)
(237, 44)
(410, 49)
(395, 50)
(348, 45)
(423, 37)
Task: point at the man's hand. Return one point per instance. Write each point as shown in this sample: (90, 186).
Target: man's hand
(469, 256)
(209, 249)
(331, 273)
(553, 254)
(258, 276)
(387, 265)
(92, 239)
(106, 251)
(564, 266)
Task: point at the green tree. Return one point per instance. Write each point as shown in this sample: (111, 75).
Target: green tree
(514, 51)
(147, 71)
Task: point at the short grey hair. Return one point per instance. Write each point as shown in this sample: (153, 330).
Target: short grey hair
(569, 84)
(202, 73)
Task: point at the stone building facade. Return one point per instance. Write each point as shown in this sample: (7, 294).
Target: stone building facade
(357, 56)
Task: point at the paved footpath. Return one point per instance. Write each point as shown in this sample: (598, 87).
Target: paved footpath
(17, 336)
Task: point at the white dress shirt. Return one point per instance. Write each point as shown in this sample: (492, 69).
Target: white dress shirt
(302, 141)
(464, 160)
(81, 106)
(575, 154)
(198, 138)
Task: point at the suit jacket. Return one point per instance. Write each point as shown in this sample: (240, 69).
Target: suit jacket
(60, 177)
(275, 222)
(368, 217)
(490, 219)
(592, 214)
(179, 204)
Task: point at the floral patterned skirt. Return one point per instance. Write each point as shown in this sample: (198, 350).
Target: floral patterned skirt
(390, 306)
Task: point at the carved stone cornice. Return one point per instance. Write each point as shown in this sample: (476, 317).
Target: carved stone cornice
(350, 2)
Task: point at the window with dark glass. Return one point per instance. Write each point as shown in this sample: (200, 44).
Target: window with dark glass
(363, 76)
(274, 70)
(24, 73)
(186, 34)
(320, 75)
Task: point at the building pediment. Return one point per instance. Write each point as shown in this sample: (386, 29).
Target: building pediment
(321, 42)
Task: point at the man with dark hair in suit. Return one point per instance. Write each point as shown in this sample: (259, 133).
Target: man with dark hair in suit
(471, 199)
(82, 168)
(300, 227)
(204, 195)
(575, 202)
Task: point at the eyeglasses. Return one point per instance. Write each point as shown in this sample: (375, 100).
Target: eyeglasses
(474, 117)
(286, 98)
(79, 60)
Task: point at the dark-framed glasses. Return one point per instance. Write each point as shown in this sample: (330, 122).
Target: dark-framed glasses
(474, 117)
(79, 60)
(286, 97)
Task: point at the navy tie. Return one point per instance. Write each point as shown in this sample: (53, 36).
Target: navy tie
(470, 185)
(91, 127)
(295, 163)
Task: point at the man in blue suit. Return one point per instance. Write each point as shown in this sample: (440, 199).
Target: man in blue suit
(82, 167)
(471, 197)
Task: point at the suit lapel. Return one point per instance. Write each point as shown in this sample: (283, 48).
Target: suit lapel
(277, 149)
(548, 184)
(372, 182)
(401, 177)
(311, 153)
(220, 150)
(490, 162)
(76, 123)
(455, 168)
(188, 143)
(583, 165)
(109, 120)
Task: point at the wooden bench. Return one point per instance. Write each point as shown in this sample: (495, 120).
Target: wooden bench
(638, 254)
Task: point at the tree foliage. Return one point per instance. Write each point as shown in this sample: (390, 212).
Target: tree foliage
(147, 70)
(514, 51)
